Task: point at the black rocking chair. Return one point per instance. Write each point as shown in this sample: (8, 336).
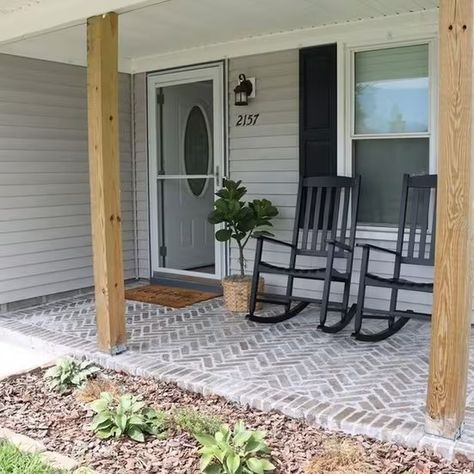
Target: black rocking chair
(325, 225)
(415, 246)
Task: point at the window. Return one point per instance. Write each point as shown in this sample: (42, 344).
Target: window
(196, 150)
(391, 126)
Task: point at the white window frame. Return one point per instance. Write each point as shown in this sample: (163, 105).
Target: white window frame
(374, 231)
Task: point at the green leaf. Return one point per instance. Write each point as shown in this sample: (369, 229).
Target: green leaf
(107, 397)
(121, 421)
(136, 435)
(255, 445)
(242, 437)
(104, 434)
(99, 419)
(137, 406)
(215, 217)
(213, 469)
(205, 440)
(99, 405)
(259, 466)
(125, 402)
(223, 235)
(205, 461)
(136, 420)
(267, 465)
(255, 465)
(232, 463)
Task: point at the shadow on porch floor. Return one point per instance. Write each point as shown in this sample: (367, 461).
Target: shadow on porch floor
(331, 380)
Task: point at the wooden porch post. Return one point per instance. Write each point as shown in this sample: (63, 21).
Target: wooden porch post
(451, 325)
(102, 93)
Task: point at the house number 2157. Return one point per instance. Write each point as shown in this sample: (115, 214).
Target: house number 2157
(246, 120)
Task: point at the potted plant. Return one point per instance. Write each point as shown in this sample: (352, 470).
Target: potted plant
(242, 220)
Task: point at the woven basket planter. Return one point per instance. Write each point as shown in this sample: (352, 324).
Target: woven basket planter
(237, 293)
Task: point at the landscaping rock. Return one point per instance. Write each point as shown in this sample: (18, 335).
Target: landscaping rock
(25, 443)
(59, 461)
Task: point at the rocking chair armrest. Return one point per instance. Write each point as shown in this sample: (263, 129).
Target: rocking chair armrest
(341, 245)
(379, 249)
(275, 241)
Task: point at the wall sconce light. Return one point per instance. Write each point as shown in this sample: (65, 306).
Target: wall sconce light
(243, 90)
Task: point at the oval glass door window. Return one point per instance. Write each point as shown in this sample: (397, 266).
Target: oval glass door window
(196, 149)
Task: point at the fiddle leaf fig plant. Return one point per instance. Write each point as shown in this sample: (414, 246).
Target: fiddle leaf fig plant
(242, 219)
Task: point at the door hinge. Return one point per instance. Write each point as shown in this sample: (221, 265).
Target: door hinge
(160, 98)
(163, 251)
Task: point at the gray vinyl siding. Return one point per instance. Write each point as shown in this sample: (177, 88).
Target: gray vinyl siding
(45, 239)
(141, 166)
(265, 158)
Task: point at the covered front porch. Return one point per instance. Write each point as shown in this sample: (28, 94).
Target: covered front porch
(329, 380)
(379, 390)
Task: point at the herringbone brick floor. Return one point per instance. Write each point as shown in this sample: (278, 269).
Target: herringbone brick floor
(333, 380)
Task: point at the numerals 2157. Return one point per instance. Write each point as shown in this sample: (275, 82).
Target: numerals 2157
(246, 120)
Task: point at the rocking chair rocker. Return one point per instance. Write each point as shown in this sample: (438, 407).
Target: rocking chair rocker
(325, 225)
(415, 246)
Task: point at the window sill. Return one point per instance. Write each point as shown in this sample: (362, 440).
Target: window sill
(376, 232)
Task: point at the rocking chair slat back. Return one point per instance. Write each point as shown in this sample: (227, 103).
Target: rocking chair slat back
(323, 204)
(307, 214)
(335, 216)
(424, 221)
(328, 207)
(314, 239)
(417, 225)
(433, 236)
(345, 213)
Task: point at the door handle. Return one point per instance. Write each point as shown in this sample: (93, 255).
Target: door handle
(219, 180)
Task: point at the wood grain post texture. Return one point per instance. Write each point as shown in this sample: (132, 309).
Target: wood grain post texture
(104, 170)
(452, 299)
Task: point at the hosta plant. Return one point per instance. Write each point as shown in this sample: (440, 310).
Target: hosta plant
(234, 451)
(69, 373)
(127, 416)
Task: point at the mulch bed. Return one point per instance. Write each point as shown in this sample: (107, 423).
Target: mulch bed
(60, 422)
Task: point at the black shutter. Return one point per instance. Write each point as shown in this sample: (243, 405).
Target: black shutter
(318, 111)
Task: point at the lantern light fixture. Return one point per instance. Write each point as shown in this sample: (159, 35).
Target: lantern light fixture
(243, 90)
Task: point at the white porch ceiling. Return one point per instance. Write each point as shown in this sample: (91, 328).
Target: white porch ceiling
(168, 26)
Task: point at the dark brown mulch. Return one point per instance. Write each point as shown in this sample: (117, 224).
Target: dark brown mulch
(60, 422)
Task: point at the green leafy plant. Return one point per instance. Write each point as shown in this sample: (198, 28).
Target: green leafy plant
(242, 219)
(236, 451)
(127, 416)
(195, 422)
(69, 373)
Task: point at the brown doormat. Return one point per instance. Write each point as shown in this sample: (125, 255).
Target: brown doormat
(168, 295)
